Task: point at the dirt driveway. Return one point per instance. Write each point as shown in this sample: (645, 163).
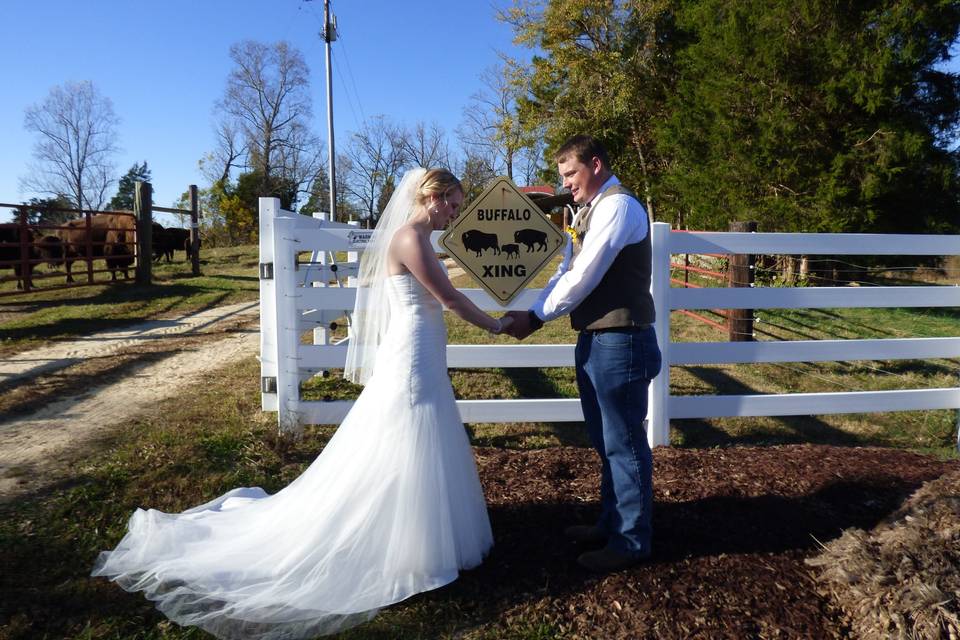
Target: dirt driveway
(59, 397)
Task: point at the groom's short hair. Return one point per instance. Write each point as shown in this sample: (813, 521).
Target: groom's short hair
(584, 148)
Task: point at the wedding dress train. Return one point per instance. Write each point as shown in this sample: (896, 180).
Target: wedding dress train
(391, 507)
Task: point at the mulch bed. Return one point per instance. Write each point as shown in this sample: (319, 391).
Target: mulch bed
(732, 528)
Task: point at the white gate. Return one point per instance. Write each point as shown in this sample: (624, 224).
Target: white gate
(294, 300)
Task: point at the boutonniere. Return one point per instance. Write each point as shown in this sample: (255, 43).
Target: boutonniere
(573, 234)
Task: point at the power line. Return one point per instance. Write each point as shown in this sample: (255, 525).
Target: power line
(346, 92)
(346, 59)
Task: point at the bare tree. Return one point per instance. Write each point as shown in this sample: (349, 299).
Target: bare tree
(227, 155)
(529, 162)
(267, 101)
(475, 173)
(77, 139)
(426, 146)
(300, 159)
(375, 156)
(491, 128)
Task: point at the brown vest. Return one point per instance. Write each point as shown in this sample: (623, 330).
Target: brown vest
(622, 297)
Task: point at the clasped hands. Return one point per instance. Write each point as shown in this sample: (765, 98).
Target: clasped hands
(517, 324)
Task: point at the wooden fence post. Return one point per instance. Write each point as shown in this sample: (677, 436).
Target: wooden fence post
(88, 217)
(194, 231)
(740, 274)
(26, 243)
(143, 210)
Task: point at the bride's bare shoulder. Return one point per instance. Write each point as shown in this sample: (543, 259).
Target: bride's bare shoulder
(406, 239)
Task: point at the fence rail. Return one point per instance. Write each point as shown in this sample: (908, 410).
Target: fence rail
(296, 297)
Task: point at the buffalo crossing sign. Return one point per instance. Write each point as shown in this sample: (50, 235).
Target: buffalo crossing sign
(503, 240)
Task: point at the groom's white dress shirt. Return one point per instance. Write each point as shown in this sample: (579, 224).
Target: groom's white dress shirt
(617, 221)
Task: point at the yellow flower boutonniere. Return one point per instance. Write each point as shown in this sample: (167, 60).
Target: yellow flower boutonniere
(573, 234)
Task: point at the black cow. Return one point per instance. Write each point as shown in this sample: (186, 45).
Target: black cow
(119, 257)
(162, 242)
(181, 239)
(512, 250)
(478, 241)
(531, 237)
(11, 254)
(170, 239)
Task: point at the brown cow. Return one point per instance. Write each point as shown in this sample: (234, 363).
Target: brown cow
(111, 237)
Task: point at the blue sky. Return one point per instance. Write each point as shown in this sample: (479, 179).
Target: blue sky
(164, 64)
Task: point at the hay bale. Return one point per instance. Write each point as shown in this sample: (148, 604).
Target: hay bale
(902, 579)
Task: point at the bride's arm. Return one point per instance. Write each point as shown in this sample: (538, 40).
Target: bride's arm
(414, 252)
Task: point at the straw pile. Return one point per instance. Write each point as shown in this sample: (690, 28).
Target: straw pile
(901, 580)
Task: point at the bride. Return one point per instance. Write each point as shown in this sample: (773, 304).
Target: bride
(392, 506)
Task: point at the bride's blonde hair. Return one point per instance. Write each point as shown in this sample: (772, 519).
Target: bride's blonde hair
(437, 182)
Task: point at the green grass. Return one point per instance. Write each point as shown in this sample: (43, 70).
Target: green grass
(228, 275)
(192, 448)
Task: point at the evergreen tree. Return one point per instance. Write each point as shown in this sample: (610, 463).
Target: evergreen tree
(48, 211)
(319, 197)
(606, 71)
(808, 115)
(123, 201)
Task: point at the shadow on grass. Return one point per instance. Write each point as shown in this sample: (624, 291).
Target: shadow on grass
(870, 329)
(799, 429)
(171, 295)
(236, 278)
(64, 383)
(921, 367)
(950, 313)
(533, 383)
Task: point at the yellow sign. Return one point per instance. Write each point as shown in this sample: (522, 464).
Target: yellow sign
(503, 240)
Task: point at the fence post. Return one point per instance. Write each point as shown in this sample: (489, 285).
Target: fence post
(26, 243)
(269, 210)
(740, 274)
(353, 257)
(658, 423)
(194, 231)
(320, 333)
(143, 210)
(286, 323)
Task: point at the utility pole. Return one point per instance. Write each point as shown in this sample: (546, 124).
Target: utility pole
(329, 35)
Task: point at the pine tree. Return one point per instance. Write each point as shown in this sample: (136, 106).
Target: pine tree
(123, 201)
(815, 116)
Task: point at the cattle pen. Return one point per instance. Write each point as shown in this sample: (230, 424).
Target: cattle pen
(59, 237)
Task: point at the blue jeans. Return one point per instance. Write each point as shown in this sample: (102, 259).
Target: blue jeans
(614, 369)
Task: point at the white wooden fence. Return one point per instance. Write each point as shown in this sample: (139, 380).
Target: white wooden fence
(295, 299)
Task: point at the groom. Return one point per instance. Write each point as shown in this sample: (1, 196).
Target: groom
(605, 288)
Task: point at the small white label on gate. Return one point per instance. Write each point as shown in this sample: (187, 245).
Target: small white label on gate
(359, 238)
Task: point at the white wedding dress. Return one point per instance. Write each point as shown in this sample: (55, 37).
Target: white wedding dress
(391, 507)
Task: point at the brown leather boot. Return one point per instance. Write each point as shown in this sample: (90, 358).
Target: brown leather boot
(608, 560)
(589, 533)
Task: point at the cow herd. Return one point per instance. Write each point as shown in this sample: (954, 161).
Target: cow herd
(108, 236)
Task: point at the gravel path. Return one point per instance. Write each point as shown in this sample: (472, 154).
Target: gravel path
(38, 441)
